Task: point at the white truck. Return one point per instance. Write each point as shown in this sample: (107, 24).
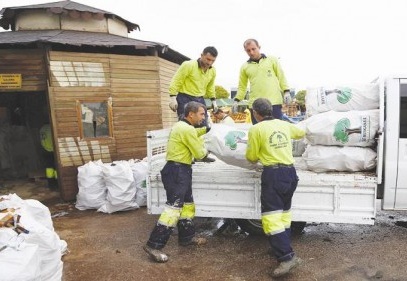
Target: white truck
(225, 191)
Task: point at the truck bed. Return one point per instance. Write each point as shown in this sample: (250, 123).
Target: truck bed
(225, 191)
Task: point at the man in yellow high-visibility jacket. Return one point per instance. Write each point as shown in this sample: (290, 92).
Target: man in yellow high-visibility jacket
(266, 78)
(193, 80)
(269, 141)
(184, 145)
(47, 144)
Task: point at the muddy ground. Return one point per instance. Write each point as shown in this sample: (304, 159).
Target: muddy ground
(109, 247)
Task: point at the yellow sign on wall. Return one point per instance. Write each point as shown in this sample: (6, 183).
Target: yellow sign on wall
(10, 81)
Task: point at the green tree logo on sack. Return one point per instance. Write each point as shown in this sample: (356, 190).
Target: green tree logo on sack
(342, 130)
(343, 95)
(233, 138)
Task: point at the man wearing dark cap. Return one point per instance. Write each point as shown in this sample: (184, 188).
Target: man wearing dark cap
(269, 141)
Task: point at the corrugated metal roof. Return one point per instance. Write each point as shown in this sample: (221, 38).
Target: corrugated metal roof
(84, 38)
(8, 14)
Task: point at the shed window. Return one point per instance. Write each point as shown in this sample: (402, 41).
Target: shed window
(77, 73)
(95, 119)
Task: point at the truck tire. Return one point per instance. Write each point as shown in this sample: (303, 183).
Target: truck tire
(253, 227)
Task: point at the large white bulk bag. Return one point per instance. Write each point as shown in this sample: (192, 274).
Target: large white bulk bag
(121, 188)
(319, 158)
(229, 144)
(342, 98)
(20, 261)
(352, 128)
(92, 187)
(140, 172)
(37, 252)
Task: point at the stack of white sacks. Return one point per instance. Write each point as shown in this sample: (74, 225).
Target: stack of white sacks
(341, 126)
(112, 187)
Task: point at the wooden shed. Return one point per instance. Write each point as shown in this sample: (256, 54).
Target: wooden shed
(74, 67)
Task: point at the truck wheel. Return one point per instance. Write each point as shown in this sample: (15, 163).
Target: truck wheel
(297, 227)
(253, 227)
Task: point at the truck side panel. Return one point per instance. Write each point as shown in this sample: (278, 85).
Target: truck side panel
(225, 191)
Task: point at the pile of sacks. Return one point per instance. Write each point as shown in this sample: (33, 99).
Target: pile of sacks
(341, 128)
(30, 249)
(112, 187)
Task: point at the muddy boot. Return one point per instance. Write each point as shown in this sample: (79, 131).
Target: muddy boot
(286, 266)
(155, 255)
(197, 241)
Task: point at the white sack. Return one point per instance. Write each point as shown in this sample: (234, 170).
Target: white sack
(121, 189)
(40, 233)
(321, 158)
(229, 144)
(140, 171)
(352, 128)
(357, 97)
(92, 187)
(39, 212)
(20, 261)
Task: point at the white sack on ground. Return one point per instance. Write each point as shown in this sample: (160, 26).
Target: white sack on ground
(357, 97)
(229, 144)
(140, 171)
(321, 158)
(352, 128)
(23, 264)
(92, 187)
(49, 248)
(121, 189)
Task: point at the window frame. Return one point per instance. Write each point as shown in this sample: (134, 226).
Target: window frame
(108, 102)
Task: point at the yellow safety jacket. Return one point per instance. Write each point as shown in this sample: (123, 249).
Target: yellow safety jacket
(184, 143)
(267, 80)
(269, 142)
(190, 79)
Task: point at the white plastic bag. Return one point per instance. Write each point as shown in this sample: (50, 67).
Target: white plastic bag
(140, 171)
(321, 158)
(20, 261)
(229, 144)
(48, 250)
(342, 98)
(352, 128)
(92, 187)
(121, 189)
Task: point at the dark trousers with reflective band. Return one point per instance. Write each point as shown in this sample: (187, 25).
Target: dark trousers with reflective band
(277, 113)
(183, 99)
(180, 208)
(278, 184)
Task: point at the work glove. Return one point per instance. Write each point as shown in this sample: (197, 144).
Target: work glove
(287, 98)
(173, 103)
(234, 107)
(214, 106)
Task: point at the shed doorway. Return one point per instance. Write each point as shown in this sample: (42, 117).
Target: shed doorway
(22, 157)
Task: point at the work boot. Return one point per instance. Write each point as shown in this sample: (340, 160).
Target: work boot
(197, 241)
(155, 255)
(286, 266)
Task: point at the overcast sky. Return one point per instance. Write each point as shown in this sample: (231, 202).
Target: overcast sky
(319, 42)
